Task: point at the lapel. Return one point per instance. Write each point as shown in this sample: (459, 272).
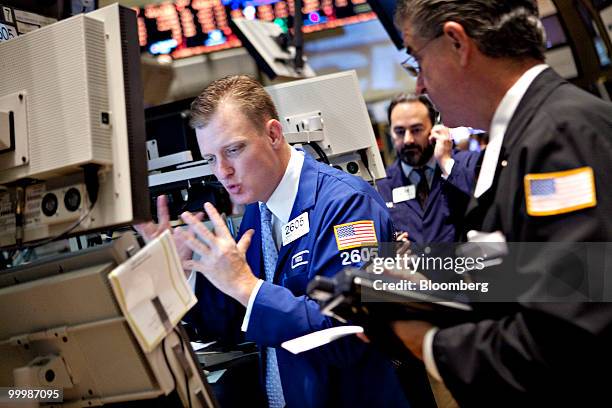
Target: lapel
(539, 90)
(478, 207)
(434, 190)
(399, 179)
(396, 174)
(473, 200)
(305, 200)
(251, 220)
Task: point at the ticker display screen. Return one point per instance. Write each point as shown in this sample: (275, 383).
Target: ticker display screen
(184, 28)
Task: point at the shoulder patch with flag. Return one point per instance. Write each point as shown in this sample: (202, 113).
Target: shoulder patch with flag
(355, 234)
(560, 192)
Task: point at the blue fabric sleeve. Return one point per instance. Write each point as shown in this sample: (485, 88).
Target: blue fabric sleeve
(462, 176)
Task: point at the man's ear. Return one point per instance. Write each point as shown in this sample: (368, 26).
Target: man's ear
(274, 131)
(461, 43)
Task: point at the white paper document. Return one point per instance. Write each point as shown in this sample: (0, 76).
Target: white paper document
(152, 291)
(199, 346)
(214, 376)
(319, 338)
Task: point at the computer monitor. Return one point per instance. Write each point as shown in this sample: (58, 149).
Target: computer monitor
(329, 113)
(74, 140)
(260, 38)
(62, 328)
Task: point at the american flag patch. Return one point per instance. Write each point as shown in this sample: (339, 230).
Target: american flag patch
(560, 192)
(355, 234)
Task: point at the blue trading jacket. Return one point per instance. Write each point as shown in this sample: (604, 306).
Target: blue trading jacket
(347, 372)
(441, 219)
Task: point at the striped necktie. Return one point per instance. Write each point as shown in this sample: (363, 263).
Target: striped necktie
(274, 389)
(422, 190)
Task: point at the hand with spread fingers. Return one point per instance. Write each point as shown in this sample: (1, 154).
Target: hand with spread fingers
(223, 260)
(150, 230)
(444, 144)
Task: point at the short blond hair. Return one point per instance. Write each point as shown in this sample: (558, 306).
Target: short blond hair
(241, 90)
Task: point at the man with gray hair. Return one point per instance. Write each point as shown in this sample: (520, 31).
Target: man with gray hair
(543, 178)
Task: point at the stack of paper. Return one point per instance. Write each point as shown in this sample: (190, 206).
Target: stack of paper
(152, 291)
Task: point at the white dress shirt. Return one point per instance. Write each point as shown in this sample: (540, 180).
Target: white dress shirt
(498, 127)
(431, 165)
(501, 119)
(280, 204)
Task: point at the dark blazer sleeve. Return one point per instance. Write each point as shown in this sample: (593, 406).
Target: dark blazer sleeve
(543, 351)
(462, 176)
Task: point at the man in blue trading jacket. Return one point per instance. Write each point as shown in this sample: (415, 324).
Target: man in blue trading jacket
(428, 187)
(303, 219)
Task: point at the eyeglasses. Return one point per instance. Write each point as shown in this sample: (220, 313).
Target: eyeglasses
(410, 64)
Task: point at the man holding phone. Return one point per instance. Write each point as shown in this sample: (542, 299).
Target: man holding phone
(428, 187)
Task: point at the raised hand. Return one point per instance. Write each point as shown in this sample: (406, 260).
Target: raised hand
(223, 260)
(151, 230)
(444, 144)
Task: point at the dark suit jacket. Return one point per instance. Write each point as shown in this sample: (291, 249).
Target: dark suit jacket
(442, 217)
(532, 352)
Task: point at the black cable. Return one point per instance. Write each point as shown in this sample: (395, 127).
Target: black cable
(186, 379)
(92, 182)
(168, 363)
(319, 151)
(298, 37)
(62, 234)
(364, 159)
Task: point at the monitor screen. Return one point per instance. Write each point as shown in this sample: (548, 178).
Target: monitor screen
(602, 4)
(555, 33)
(168, 125)
(186, 28)
(49, 8)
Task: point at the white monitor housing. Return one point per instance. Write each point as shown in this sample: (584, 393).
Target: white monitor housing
(62, 328)
(329, 110)
(71, 95)
(259, 38)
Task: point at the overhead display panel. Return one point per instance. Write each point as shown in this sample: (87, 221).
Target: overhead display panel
(184, 28)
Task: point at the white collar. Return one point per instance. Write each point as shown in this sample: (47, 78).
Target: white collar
(281, 201)
(408, 168)
(501, 119)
